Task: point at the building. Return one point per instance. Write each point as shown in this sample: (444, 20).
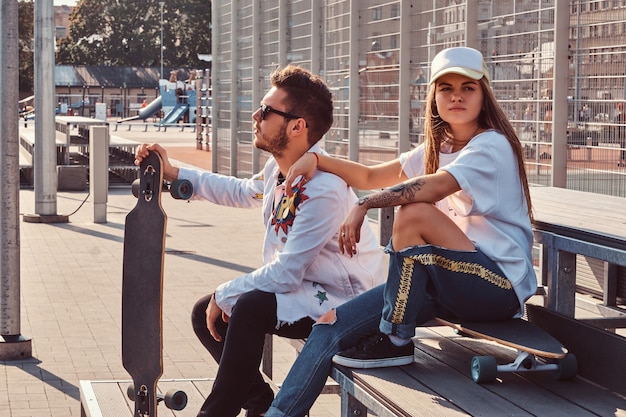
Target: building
(557, 68)
(62, 21)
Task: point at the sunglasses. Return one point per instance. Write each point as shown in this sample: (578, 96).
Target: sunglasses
(265, 110)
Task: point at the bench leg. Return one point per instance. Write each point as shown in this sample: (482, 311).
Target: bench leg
(350, 406)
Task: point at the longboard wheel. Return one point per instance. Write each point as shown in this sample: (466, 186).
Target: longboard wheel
(175, 399)
(135, 188)
(484, 369)
(181, 189)
(568, 368)
(130, 392)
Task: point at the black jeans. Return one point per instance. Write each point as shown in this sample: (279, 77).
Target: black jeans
(239, 383)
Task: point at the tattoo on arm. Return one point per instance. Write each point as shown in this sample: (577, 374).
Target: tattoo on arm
(404, 193)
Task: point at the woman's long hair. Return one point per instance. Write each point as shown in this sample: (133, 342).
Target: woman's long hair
(491, 117)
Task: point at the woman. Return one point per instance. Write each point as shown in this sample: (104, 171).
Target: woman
(462, 238)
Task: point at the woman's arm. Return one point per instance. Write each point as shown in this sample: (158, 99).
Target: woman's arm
(428, 188)
(354, 174)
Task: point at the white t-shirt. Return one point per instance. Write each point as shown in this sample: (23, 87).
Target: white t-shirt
(490, 207)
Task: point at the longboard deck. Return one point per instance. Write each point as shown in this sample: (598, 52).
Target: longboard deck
(142, 287)
(515, 333)
(530, 341)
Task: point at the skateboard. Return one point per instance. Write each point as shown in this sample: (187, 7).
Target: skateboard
(536, 349)
(142, 292)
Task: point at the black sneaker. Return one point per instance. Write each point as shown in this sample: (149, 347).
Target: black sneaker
(260, 401)
(375, 351)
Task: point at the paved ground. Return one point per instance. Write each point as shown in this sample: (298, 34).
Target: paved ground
(71, 276)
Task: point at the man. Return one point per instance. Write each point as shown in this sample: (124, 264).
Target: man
(303, 274)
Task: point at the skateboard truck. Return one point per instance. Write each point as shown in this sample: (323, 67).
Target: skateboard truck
(485, 368)
(173, 399)
(179, 189)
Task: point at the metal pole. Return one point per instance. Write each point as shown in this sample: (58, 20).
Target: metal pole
(353, 92)
(559, 95)
(161, 3)
(45, 159)
(12, 344)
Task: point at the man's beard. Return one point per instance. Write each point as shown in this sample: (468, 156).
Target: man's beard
(275, 146)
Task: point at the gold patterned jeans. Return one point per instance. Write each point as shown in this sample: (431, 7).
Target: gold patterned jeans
(428, 281)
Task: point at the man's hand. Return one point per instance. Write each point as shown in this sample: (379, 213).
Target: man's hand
(170, 172)
(213, 312)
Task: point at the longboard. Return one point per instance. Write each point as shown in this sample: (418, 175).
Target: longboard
(537, 349)
(142, 290)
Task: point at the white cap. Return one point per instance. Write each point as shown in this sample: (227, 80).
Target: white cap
(459, 60)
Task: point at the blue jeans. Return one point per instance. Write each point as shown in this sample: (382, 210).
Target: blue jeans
(306, 379)
(429, 281)
(423, 282)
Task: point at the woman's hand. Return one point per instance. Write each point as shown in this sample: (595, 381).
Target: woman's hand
(305, 167)
(350, 230)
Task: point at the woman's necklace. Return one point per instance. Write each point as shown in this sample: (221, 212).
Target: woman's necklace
(457, 145)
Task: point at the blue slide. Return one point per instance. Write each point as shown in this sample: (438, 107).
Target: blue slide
(175, 114)
(145, 112)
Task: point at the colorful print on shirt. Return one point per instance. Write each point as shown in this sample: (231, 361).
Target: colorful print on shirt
(285, 209)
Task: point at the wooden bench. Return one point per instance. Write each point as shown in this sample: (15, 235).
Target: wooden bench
(567, 224)
(584, 249)
(27, 147)
(74, 151)
(438, 383)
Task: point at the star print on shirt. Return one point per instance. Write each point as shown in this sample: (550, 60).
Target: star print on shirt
(321, 295)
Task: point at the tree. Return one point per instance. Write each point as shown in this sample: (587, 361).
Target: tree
(128, 33)
(25, 28)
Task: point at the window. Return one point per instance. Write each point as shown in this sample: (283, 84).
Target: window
(377, 13)
(395, 10)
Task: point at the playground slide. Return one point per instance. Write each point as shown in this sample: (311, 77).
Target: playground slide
(175, 114)
(152, 107)
(145, 112)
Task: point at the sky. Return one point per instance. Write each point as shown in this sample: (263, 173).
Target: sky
(64, 2)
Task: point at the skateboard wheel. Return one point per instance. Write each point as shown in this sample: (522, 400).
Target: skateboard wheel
(484, 369)
(568, 368)
(130, 392)
(135, 188)
(175, 399)
(181, 189)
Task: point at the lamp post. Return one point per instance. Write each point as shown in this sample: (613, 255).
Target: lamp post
(161, 3)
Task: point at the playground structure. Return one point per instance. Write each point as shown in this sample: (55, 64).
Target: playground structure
(177, 100)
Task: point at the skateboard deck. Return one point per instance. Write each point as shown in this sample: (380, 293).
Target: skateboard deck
(142, 287)
(537, 349)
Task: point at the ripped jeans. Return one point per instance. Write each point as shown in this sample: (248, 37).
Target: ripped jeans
(307, 377)
(423, 282)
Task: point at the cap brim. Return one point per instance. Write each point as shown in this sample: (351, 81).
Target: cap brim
(474, 75)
